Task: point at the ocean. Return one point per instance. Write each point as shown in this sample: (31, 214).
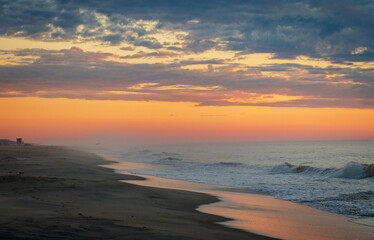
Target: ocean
(327, 175)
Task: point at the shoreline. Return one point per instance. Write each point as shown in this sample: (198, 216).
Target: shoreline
(64, 193)
(258, 213)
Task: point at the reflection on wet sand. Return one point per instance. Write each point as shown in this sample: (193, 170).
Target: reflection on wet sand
(284, 219)
(265, 215)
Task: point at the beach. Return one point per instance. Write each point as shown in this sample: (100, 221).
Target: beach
(330, 199)
(201, 120)
(50, 192)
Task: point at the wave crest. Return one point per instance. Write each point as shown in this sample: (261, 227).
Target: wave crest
(351, 170)
(230, 164)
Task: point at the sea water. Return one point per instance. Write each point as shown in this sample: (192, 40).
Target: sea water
(327, 175)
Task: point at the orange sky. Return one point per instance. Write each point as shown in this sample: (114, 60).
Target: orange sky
(42, 119)
(211, 71)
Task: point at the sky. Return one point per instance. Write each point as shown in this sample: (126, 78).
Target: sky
(197, 70)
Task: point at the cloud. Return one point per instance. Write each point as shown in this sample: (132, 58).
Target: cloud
(152, 44)
(340, 32)
(364, 56)
(74, 73)
(194, 62)
(72, 56)
(158, 54)
(127, 48)
(323, 29)
(114, 39)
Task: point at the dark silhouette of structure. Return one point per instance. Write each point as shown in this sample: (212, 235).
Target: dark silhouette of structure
(19, 141)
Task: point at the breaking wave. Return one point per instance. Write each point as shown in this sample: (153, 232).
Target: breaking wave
(326, 177)
(229, 164)
(351, 170)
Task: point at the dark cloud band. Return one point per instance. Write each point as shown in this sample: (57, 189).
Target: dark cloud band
(74, 73)
(339, 31)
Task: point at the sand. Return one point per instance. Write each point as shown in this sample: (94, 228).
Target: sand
(63, 193)
(263, 214)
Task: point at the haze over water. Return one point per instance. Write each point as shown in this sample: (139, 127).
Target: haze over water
(271, 96)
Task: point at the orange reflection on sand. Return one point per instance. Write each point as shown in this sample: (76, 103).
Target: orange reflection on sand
(282, 219)
(118, 165)
(129, 166)
(268, 216)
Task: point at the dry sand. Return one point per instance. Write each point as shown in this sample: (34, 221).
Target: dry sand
(64, 194)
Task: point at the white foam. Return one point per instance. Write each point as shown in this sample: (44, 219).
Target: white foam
(352, 170)
(320, 175)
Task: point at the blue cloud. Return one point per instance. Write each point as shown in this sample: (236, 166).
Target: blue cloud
(113, 38)
(285, 28)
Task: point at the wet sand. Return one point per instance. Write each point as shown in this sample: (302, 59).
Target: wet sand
(262, 213)
(63, 193)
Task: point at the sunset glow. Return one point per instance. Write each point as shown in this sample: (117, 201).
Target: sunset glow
(198, 119)
(40, 118)
(174, 73)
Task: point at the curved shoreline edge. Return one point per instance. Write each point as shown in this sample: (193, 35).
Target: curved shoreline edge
(259, 213)
(63, 193)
